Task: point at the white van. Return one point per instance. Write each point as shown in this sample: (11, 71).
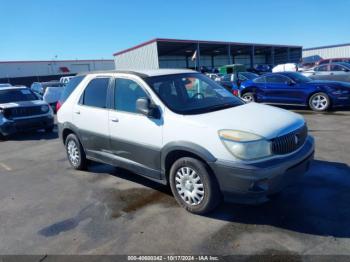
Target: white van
(181, 128)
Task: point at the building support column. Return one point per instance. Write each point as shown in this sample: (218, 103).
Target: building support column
(229, 57)
(252, 57)
(212, 61)
(186, 61)
(198, 57)
(273, 56)
(288, 54)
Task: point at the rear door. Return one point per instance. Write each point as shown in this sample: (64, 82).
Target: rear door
(90, 115)
(135, 139)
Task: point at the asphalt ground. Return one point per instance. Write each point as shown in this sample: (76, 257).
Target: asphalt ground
(46, 207)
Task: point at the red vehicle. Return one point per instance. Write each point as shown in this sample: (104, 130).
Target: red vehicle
(333, 60)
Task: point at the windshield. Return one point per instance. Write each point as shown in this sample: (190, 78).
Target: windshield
(299, 78)
(16, 95)
(49, 84)
(192, 93)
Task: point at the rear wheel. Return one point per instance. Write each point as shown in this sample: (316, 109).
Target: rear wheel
(319, 102)
(248, 97)
(193, 187)
(75, 152)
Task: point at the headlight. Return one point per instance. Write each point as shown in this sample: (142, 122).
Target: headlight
(245, 145)
(44, 108)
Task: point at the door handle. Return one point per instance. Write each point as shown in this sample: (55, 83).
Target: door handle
(115, 120)
(77, 112)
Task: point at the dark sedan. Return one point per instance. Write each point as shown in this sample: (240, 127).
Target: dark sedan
(291, 88)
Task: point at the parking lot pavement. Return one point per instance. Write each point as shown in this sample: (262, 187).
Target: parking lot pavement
(48, 208)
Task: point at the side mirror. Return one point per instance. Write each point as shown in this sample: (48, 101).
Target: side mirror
(144, 107)
(290, 82)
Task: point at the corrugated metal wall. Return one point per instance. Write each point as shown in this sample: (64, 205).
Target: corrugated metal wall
(332, 52)
(145, 57)
(44, 68)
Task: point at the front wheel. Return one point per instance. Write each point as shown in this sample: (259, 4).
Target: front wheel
(319, 102)
(193, 186)
(248, 97)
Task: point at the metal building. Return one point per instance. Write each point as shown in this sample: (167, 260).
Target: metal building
(174, 53)
(26, 72)
(331, 51)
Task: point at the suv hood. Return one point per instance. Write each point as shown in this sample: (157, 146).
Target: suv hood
(266, 121)
(23, 104)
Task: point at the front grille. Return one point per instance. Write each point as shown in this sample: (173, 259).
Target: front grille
(23, 111)
(290, 142)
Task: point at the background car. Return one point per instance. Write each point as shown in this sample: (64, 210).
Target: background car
(333, 60)
(289, 67)
(332, 71)
(20, 110)
(232, 82)
(292, 88)
(214, 76)
(65, 79)
(50, 92)
(234, 68)
(260, 69)
(5, 85)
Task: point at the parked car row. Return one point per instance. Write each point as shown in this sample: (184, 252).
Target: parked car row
(23, 108)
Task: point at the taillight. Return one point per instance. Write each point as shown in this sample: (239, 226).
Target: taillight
(235, 92)
(58, 106)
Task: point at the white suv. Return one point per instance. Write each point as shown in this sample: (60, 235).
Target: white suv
(179, 127)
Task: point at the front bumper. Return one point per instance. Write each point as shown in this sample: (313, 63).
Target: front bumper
(341, 100)
(253, 183)
(25, 124)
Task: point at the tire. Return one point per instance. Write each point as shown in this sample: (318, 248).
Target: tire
(75, 152)
(319, 102)
(187, 172)
(248, 97)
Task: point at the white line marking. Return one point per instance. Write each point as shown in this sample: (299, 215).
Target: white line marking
(5, 167)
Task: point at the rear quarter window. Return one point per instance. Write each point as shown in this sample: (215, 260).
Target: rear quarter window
(70, 87)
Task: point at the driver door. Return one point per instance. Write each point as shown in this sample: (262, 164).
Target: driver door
(280, 90)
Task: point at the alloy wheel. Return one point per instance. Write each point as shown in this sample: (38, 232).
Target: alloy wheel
(319, 102)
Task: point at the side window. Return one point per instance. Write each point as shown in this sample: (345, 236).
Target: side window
(95, 93)
(337, 68)
(277, 79)
(126, 93)
(323, 68)
(260, 80)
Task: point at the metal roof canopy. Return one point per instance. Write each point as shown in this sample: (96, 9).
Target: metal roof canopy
(187, 47)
